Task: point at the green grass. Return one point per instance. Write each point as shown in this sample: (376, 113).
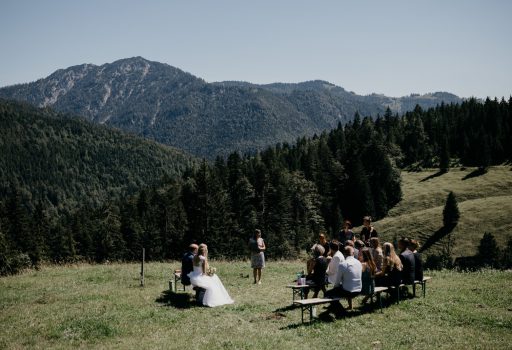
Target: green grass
(102, 306)
(485, 205)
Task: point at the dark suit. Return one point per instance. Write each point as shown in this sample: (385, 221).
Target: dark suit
(409, 266)
(418, 267)
(187, 265)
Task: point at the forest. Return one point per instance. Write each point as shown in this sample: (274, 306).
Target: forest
(290, 191)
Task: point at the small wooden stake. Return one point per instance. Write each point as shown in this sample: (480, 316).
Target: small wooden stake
(142, 267)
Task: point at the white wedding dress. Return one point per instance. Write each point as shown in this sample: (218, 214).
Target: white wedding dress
(215, 294)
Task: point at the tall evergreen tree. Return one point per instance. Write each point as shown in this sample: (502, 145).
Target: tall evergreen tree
(451, 212)
(358, 200)
(18, 222)
(40, 228)
(444, 156)
(488, 250)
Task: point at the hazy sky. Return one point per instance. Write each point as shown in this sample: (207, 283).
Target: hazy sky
(390, 47)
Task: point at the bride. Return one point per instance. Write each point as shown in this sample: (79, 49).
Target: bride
(215, 294)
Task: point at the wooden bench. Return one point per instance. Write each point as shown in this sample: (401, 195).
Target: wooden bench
(377, 292)
(396, 289)
(177, 277)
(309, 304)
(423, 284)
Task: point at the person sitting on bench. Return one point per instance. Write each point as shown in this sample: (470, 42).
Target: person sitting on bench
(348, 282)
(418, 263)
(316, 271)
(334, 258)
(391, 274)
(408, 261)
(187, 263)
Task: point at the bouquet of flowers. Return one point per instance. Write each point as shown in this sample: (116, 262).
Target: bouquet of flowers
(211, 271)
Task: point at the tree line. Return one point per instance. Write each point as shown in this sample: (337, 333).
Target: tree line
(290, 191)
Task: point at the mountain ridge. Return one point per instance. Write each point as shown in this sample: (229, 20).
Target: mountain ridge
(164, 103)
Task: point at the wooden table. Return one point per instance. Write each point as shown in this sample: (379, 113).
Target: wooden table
(298, 290)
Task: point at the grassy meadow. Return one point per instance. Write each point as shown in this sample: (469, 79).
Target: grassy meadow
(103, 306)
(485, 205)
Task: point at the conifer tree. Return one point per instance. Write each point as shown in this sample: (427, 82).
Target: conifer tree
(444, 156)
(451, 212)
(18, 222)
(357, 194)
(40, 228)
(4, 255)
(506, 258)
(488, 250)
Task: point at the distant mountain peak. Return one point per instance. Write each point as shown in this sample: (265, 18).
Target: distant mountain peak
(164, 103)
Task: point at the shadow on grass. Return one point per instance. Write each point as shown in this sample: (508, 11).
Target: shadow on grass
(430, 177)
(475, 173)
(328, 316)
(436, 237)
(287, 308)
(177, 300)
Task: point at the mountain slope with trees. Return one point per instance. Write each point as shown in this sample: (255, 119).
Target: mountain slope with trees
(484, 202)
(291, 191)
(66, 163)
(161, 102)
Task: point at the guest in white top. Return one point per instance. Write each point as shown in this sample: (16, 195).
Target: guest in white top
(335, 258)
(348, 282)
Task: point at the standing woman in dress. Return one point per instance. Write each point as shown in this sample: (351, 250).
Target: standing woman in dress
(257, 247)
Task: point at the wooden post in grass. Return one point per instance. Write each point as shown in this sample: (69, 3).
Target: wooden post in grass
(142, 268)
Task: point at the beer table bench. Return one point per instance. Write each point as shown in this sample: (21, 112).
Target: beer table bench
(308, 304)
(298, 290)
(396, 289)
(423, 284)
(177, 277)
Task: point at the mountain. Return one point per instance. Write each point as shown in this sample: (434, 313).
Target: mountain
(164, 103)
(69, 163)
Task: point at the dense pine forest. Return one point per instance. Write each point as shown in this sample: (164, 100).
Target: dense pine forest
(290, 191)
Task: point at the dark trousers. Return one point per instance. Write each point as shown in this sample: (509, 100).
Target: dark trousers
(339, 292)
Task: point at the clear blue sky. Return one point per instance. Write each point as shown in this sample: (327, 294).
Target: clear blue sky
(389, 47)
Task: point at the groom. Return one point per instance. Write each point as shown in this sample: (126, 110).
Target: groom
(187, 263)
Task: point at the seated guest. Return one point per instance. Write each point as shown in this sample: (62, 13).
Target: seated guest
(368, 275)
(187, 264)
(349, 243)
(408, 263)
(391, 273)
(418, 263)
(316, 271)
(346, 234)
(335, 258)
(358, 254)
(377, 254)
(323, 242)
(348, 282)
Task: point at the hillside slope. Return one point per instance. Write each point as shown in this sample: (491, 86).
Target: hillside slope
(66, 162)
(485, 205)
(164, 103)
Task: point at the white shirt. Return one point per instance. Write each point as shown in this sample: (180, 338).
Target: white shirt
(349, 275)
(332, 268)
